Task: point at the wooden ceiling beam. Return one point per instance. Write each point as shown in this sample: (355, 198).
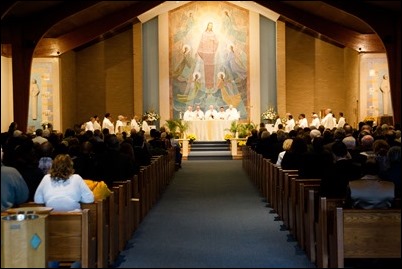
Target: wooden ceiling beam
(6, 6)
(337, 33)
(92, 31)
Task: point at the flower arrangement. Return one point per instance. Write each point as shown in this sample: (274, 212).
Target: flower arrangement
(152, 115)
(369, 118)
(228, 136)
(191, 137)
(269, 114)
(241, 143)
(45, 124)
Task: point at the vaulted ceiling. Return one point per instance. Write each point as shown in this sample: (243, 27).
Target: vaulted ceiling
(55, 27)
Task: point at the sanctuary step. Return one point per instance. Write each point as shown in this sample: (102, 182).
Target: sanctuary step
(210, 150)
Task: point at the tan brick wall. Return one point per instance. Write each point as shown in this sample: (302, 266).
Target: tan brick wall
(68, 93)
(320, 75)
(104, 78)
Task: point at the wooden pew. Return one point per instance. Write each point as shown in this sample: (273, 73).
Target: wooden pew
(99, 215)
(69, 238)
(293, 201)
(311, 223)
(266, 175)
(272, 169)
(365, 233)
(136, 201)
(326, 218)
(302, 213)
(275, 183)
(284, 192)
(113, 225)
(126, 206)
(121, 213)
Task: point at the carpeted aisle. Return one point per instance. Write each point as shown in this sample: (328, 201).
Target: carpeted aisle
(211, 216)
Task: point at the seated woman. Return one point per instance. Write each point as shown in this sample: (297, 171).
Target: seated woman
(61, 189)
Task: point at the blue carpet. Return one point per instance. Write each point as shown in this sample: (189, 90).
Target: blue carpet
(211, 216)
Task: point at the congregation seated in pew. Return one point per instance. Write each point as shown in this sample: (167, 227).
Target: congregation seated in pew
(61, 189)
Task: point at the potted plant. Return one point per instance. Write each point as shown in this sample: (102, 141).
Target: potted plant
(182, 126)
(242, 130)
(234, 126)
(171, 124)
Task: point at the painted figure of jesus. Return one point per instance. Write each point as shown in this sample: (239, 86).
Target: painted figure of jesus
(206, 50)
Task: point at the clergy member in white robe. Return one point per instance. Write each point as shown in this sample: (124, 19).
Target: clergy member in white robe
(211, 113)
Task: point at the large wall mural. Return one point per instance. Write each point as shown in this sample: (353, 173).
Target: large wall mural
(209, 56)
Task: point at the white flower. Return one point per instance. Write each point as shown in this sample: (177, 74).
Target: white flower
(269, 114)
(152, 115)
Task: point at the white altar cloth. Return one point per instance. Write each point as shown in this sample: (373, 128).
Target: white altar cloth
(209, 130)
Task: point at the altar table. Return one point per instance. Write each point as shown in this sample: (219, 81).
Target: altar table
(209, 130)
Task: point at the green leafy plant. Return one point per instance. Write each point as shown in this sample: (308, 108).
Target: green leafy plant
(171, 124)
(234, 126)
(182, 126)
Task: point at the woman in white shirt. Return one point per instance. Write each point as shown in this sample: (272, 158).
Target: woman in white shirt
(61, 189)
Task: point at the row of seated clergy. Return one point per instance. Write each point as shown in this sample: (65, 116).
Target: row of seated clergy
(211, 114)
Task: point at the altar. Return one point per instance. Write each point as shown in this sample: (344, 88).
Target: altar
(209, 130)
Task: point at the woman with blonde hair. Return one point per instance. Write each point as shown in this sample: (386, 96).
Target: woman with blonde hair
(61, 189)
(287, 144)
